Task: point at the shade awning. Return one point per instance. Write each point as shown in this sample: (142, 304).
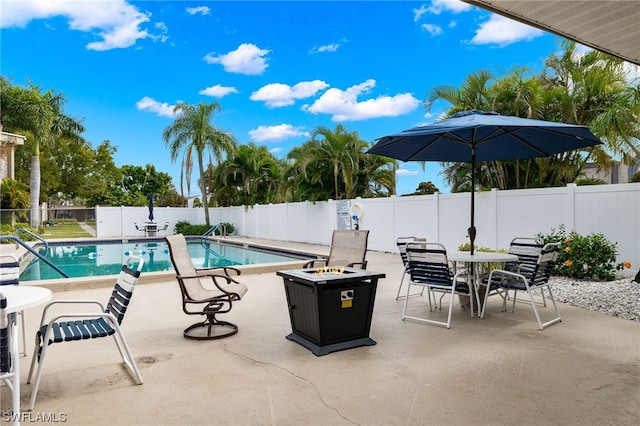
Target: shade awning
(610, 26)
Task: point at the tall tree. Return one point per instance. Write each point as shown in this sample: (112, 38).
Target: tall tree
(341, 150)
(249, 176)
(193, 132)
(40, 113)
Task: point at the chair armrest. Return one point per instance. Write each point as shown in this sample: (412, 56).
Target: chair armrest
(226, 269)
(43, 320)
(312, 263)
(504, 273)
(213, 276)
(362, 265)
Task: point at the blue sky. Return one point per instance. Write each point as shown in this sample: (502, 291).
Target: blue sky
(278, 69)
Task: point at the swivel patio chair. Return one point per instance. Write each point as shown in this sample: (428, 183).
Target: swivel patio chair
(9, 372)
(430, 268)
(206, 291)
(91, 324)
(537, 279)
(402, 242)
(348, 248)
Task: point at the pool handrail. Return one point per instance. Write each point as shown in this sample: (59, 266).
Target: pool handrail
(35, 253)
(36, 236)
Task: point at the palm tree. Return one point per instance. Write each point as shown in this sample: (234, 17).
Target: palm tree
(341, 150)
(250, 176)
(41, 114)
(596, 90)
(192, 132)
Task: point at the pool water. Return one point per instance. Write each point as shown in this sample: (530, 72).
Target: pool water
(106, 257)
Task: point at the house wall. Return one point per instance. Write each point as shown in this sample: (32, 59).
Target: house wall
(613, 210)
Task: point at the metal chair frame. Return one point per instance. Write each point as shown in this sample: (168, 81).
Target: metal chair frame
(102, 322)
(429, 267)
(538, 279)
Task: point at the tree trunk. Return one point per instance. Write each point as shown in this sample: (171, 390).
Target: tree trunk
(34, 195)
(203, 189)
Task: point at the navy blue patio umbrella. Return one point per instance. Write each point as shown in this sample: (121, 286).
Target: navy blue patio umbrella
(478, 136)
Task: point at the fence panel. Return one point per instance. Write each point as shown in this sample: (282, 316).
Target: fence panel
(613, 210)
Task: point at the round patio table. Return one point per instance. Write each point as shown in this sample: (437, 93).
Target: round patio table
(475, 264)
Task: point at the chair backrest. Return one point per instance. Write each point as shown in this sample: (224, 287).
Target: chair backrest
(5, 358)
(123, 290)
(528, 250)
(402, 242)
(348, 247)
(9, 269)
(546, 264)
(185, 270)
(428, 263)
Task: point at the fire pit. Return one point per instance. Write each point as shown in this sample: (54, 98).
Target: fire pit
(330, 308)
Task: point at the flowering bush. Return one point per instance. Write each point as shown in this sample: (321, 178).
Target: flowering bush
(585, 257)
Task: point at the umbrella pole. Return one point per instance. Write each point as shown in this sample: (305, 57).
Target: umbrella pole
(472, 228)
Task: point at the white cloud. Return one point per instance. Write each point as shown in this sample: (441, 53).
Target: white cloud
(407, 172)
(434, 30)
(117, 23)
(417, 13)
(503, 31)
(218, 91)
(203, 10)
(343, 105)
(162, 109)
(246, 59)
(455, 6)
(276, 133)
(279, 95)
(333, 47)
(276, 150)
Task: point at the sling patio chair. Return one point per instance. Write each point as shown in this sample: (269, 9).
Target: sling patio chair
(429, 267)
(96, 321)
(348, 248)
(9, 373)
(537, 279)
(402, 242)
(10, 275)
(205, 291)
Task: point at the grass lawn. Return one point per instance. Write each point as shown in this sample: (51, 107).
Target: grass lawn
(65, 230)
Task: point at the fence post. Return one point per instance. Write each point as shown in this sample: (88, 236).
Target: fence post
(571, 207)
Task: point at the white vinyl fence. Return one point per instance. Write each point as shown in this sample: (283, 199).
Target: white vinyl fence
(613, 210)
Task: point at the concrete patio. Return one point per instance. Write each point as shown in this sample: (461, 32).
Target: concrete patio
(497, 371)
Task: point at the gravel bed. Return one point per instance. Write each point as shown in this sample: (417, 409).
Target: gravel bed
(619, 298)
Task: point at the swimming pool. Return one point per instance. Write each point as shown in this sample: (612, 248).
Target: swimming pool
(89, 259)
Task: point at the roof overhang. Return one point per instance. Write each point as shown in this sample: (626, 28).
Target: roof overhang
(11, 139)
(610, 26)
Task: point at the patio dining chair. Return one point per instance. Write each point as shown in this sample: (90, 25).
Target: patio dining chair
(528, 282)
(430, 268)
(528, 250)
(9, 374)
(205, 291)
(95, 322)
(402, 242)
(348, 248)
(10, 275)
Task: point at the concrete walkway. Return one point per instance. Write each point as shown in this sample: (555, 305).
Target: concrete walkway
(497, 371)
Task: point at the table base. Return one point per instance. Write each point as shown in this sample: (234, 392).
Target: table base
(326, 349)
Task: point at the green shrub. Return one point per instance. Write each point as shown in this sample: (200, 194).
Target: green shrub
(585, 257)
(185, 228)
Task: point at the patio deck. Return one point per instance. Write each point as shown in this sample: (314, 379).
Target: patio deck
(500, 370)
